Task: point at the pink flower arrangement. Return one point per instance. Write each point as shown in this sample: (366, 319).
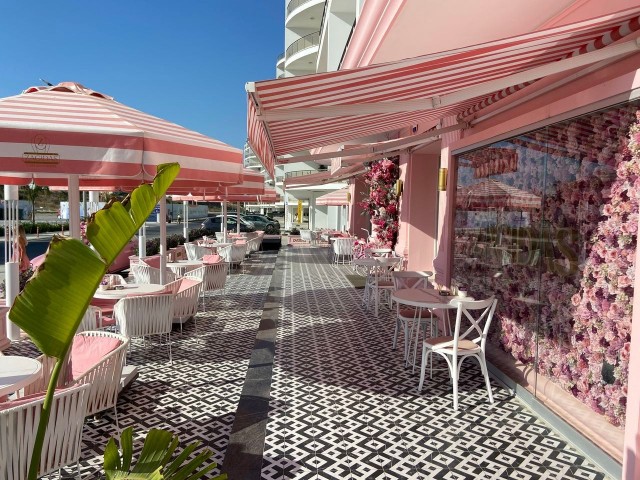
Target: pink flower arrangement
(382, 202)
(578, 330)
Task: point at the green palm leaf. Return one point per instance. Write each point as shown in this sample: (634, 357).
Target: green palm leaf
(53, 302)
(157, 451)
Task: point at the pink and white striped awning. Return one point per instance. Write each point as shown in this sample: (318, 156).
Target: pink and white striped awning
(299, 113)
(336, 198)
(268, 196)
(47, 133)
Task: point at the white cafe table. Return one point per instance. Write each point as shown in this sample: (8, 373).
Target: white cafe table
(128, 290)
(181, 267)
(428, 298)
(16, 373)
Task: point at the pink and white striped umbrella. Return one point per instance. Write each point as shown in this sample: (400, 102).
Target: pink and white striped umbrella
(48, 133)
(336, 198)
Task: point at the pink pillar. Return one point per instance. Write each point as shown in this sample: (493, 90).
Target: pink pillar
(446, 208)
(359, 191)
(630, 461)
(418, 210)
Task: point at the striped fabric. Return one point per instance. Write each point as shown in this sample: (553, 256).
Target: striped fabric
(268, 196)
(335, 198)
(299, 113)
(50, 132)
(252, 184)
(491, 194)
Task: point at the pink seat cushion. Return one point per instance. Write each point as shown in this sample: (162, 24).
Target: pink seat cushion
(87, 351)
(21, 401)
(240, 242)
(410, 313)
(187, 283)
(209, 259)
(153, 261)
(104, 304)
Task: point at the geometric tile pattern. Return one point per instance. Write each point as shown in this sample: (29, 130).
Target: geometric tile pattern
(197, 396)
(344, 407)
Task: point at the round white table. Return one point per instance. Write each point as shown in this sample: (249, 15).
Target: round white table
(17, 373)
(422, 298)
(129, 290)
(183, 266)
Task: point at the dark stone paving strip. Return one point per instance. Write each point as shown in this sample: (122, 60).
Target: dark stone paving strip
(243, 458)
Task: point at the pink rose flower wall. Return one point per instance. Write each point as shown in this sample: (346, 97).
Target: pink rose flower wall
(563, 272)
(382, 202)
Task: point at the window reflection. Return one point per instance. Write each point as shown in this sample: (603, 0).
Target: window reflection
(528, 210)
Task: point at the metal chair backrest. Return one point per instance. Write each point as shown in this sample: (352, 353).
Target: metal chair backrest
(411, 279)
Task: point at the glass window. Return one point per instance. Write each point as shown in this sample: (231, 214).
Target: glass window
(543, 222)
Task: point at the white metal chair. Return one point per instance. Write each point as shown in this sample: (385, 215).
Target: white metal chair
(471, 342)
(146, 315)
(308, 236)
(407, 317)
(150, 275)
(62, 444)
(102, 372)
(186, 292)
(234, 254)
(213, 277)
(380, 280)
(196, 252)
(342, 249)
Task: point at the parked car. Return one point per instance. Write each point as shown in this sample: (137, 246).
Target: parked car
(263, 222)
(214, 224)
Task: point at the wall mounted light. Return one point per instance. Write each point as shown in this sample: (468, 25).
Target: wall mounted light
(398, 187)
(349, 197)
(442, 179)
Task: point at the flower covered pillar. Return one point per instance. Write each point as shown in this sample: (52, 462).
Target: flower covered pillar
(382, 202)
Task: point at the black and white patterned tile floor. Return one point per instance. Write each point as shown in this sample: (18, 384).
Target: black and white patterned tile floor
(343, 406)
(197, 396)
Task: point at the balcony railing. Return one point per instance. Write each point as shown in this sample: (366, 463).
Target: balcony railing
(308, 41)
(280, 58)
(299, 173)
(293, 4)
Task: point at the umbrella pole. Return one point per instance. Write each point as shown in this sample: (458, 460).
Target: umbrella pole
(163, 240)
(224, 217)
(237, 217)
(185, 228)
(11, 267)
(74, 206)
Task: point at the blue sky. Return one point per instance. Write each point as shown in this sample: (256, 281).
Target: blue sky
(186, 61)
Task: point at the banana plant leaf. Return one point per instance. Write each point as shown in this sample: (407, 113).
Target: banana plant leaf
(158, 450)
(53, 302)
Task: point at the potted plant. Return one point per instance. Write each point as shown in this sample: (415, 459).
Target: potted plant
(53, 302)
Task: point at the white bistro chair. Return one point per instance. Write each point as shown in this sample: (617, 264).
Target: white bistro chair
(407, 316)
(63, 440)
(342, 249)
(470, 342)
(145, 316)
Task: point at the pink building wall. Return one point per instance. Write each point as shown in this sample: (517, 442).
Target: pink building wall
(418, 210)
(389, 33)
(357, 221)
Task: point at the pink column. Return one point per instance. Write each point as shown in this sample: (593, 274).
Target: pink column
(418, 210)
(631, 462)
(359, 190)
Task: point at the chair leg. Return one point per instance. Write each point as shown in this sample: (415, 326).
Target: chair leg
(485, 372)
(395, 334)
(423, 367)
(454, 378)
(170, 356)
